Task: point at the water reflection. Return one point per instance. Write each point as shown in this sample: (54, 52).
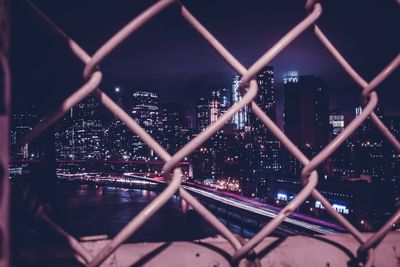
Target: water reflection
(91, 210)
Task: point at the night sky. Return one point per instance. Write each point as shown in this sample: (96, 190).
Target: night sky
(168, 56)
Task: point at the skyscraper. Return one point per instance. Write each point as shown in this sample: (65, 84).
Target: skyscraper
(224, 97)
(264, 149)
(336, 121)
(116, 135)
(202, 113)
(241, 118)
(82, 135)
(214, 109)
(174, 130)
(265, 100)
(145, 111)
(22, 123)
(306, 110)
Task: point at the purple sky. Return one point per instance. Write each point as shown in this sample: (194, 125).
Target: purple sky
(167, 55)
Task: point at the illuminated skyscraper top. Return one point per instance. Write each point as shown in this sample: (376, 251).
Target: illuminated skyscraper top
(291, 77)
(336, 120)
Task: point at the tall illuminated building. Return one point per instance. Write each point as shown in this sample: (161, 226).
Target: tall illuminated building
(81, 134)
(265, 99)
(117, 135)
(22, 123)
(264, 150)
(224, 97)
(215, 110)
(241, 118)
(174, 131)
(336, 121)
(202, 113)
(145, 111)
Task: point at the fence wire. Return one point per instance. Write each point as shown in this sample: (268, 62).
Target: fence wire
(92, 77)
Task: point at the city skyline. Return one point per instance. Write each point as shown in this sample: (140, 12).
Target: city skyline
(243, 158)
(89, 133)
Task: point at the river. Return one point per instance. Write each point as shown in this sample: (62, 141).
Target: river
(94, 210)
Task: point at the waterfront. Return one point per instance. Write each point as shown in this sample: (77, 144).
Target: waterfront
(94, 204)
(94, 210)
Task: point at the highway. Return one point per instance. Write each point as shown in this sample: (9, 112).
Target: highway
(259, 208)
(303, 221)
(300, 220)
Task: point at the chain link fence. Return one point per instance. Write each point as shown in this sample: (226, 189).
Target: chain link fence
(92, 77)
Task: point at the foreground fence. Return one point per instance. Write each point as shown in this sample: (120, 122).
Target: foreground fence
(92, 77)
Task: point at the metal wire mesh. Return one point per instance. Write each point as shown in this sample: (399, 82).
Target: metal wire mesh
(92, 77)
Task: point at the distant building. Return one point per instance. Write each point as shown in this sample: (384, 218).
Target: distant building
(336, 121)
(306, 110)
(366, 152)
(364, 203)
(224, 97)
(64, 137)
(259, 154)
(241, 118)
(209, 109)
(145, 111)
(358, 111)
(215, 110)
(174, 131)
(266, 100)
(117, 136)
(202, 114)
(393, 156)
(21, 124)
(81, 134)
(291, 77)
(88, 132)
(117, 139)
(393, 124)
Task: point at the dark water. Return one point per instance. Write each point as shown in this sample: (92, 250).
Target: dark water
(93, 210)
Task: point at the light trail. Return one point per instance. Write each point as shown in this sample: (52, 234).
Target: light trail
(262, 211)
(251, 207)
(227, 199)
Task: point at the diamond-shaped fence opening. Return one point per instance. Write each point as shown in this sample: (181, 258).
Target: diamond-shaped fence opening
(92, 77)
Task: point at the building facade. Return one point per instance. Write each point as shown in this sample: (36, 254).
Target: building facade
(306, 110)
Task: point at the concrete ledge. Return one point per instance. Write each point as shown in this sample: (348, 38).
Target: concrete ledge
(324, 250)
(327, 250)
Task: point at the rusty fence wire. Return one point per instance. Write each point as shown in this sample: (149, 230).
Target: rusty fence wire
(92, 77)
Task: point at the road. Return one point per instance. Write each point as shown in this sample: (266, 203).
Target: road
(312, 224)
(251, 205)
